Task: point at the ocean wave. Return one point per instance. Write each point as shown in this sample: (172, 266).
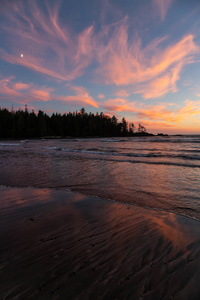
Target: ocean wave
(159, 149)
(165, 163)
(113, 140)
(52, 148)
(195, 157)
(24, 141)
(9, 144)
(97, 151)
(167, 140)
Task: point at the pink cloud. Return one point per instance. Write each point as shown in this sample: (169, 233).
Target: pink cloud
(113, 113)
(118, 105)
(47, 47)
(34, 93)
(155, 112)
(21, 86)
(126, 63)
(158, 125)
(22, 91)
(101, 96)
(191, 108)
(122, 93)
(7, 87)
(150, 112)
(42, 94)
(161, 112)
(55, 51)
(162, 7)
(161, 85)
(30, 92)
(81, 96)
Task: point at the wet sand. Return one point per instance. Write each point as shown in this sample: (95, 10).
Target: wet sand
(63, 245)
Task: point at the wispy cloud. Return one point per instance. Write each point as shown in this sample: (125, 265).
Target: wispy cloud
(162, 7)
(47, 47)
(25, 93)
(153, 70)
(191, 108)
(53, 50)
(81, 96)
(119, 105)
(101, 96)
(160, 113)
(158, 125)
(22, 92)
(151, 112)
(7, 87)
(122, 93)
(161, 85)
(21, 86)
(42, 94)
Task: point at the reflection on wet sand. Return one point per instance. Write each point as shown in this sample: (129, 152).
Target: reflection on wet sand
(63, 245)
(168, 225)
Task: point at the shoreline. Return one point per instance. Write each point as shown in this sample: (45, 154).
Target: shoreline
(104, 199)
(58, 244)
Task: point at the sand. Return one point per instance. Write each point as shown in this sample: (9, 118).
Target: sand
(63, 245)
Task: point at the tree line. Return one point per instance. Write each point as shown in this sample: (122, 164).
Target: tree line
(25, 124)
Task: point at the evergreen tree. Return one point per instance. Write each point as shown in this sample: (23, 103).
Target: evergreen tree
(25, 124)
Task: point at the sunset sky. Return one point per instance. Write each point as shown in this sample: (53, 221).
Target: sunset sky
(134, 58)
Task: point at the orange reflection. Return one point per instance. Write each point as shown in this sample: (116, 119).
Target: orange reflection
(171, 229)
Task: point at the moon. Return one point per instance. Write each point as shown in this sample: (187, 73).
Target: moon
(22, 55)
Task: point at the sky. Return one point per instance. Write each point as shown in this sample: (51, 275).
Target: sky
(138, 59)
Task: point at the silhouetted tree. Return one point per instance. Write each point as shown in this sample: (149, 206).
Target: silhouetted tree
(124, 126)
(141, 129)
(131, 128)
(25, 124)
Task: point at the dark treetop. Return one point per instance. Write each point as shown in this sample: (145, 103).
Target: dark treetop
(25, 124)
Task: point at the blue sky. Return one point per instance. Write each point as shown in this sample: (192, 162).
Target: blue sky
(138, 59)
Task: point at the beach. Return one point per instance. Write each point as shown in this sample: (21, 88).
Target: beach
(99, 150)
(64, 245)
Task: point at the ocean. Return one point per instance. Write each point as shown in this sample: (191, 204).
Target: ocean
(159, 172)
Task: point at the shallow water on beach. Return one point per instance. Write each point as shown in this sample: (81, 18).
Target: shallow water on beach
(155, 172)
(64, 245)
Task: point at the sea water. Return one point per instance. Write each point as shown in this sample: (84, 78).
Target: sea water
(160, 172)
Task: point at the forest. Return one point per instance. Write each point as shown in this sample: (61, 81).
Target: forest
(25, 124)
